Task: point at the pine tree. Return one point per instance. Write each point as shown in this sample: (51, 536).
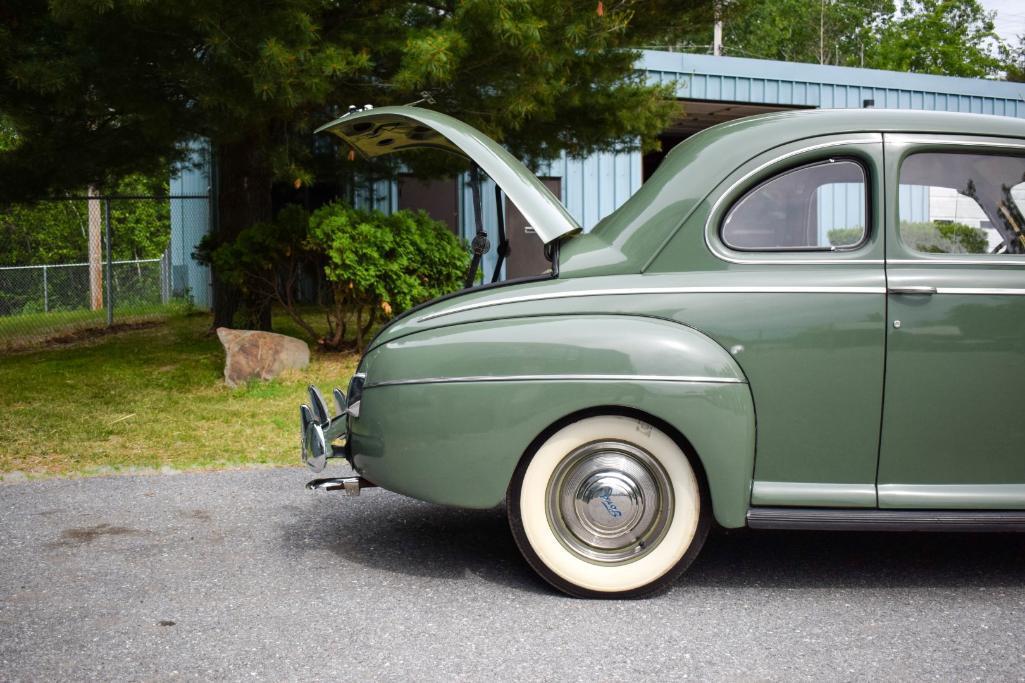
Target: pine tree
(95, 91)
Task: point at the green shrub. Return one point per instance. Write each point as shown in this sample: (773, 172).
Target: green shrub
(265, 261)
(375, 265)
(944, 238)
(382, 264)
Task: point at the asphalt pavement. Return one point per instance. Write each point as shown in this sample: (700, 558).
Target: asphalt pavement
(245, 575)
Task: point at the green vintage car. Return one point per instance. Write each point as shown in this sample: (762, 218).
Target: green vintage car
(803, 320)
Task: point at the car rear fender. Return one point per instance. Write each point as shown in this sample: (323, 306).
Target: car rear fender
(447, 413)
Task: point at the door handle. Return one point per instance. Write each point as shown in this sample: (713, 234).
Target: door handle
(928, 291)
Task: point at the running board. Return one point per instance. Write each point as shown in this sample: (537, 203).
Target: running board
(885, 520)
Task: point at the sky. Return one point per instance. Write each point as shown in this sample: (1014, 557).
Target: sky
(1010, 21)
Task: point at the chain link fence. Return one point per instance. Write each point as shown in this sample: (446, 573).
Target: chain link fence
(73, 265)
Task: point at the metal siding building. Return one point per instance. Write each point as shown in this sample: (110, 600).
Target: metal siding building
(756, 81)
(190, 221)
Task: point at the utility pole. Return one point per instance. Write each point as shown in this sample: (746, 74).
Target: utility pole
(822, 32)
(717, 31)
(95, 251)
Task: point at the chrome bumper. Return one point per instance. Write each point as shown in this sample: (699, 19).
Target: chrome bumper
(323, 436)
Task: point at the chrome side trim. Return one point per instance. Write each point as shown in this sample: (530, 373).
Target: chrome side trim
(981, 291)
(558, 378)
(652, 290)
(801, 262)
(722, 254)
(937, 261)
(963, 496)
(813, 494)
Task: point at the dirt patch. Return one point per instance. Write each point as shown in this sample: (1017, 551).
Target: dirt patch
(76, 337)
(85, 535)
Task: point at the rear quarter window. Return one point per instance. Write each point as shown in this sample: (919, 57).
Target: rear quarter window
(816, 207)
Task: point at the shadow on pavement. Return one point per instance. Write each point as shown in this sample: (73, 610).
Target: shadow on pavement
(817, 559)
(402, 536)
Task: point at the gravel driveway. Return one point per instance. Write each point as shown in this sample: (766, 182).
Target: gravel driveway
(244, 574)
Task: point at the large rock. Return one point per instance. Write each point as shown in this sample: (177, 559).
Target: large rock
(259, 355)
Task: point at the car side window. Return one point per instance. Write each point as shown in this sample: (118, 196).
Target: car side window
(819, 206)
(957, 203)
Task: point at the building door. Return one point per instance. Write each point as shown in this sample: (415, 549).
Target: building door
(526, 251)
(439, 198)
(953, 435)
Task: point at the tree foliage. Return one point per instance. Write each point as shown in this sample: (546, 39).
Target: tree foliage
(57, 230)
(97, 90)
(1013, 57)
(948, 37)
(805, 30)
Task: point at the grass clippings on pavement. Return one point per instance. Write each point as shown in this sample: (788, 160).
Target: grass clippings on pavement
(151, 398)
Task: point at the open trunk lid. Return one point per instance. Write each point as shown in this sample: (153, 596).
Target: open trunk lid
(374, 132)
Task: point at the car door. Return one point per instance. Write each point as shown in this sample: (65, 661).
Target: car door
(953, 431)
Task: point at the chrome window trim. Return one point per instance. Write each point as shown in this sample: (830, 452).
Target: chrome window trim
(724, 255)
(633, 291)
(910, 138)
(934, 260)
(691, 379)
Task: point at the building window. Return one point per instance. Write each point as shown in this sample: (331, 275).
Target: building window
(956, 203)
(817, 207)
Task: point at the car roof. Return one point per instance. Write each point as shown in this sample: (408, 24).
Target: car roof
(871, 119)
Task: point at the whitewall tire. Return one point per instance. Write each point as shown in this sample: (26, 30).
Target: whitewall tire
(608, 506)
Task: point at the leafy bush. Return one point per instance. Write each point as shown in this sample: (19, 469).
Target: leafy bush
(374, 265)
(944, 238)
(382, 264)
(265, 261)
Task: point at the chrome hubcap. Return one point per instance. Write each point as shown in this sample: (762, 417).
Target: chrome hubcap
(609, 502)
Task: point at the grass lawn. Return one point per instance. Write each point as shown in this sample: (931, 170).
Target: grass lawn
(149, 398)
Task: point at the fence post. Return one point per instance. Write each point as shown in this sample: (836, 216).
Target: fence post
(46, 292)
(110, 263)
(165, 276)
